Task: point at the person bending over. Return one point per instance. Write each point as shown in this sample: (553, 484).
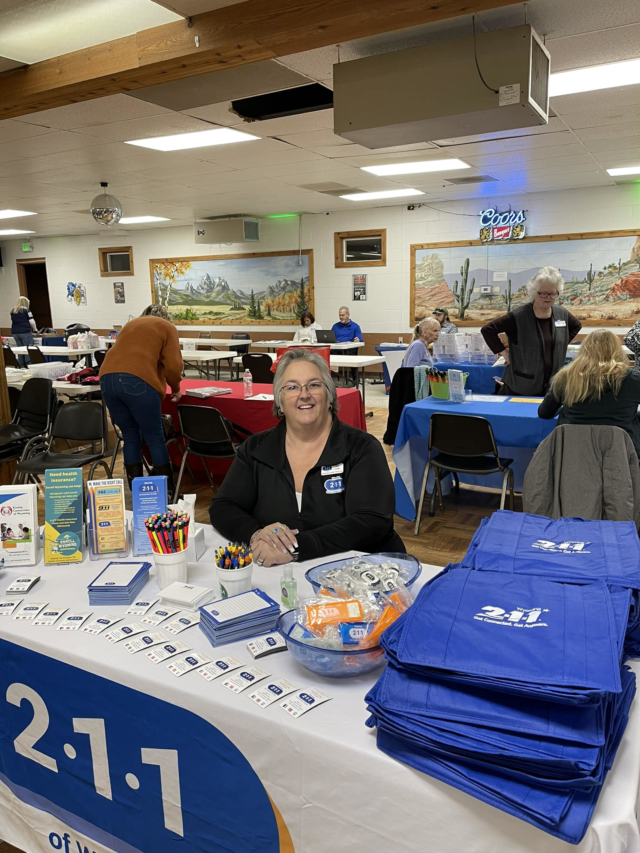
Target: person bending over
(598, 387)
(312, 486)
(425, 333)
(538, 334)
(133, 378)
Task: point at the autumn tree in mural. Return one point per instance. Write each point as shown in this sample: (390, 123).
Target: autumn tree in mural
(166, 273)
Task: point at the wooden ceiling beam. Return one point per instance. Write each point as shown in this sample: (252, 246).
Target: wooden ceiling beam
(225, 38)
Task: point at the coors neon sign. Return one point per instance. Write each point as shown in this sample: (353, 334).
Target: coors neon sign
(501, 226)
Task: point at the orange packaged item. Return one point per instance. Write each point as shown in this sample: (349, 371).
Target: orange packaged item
(330, 613)
(389, 615)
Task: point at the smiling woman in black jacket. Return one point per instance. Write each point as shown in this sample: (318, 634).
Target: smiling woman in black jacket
(312, 486)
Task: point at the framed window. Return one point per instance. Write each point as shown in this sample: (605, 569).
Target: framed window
(361, 248)
(116, 261)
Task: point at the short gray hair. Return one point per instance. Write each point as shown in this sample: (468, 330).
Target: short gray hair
(157, 311)
(302, 354)
(546, 275)
(344, 308)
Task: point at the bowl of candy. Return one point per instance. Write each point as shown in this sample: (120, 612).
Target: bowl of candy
(374, 573)
(340, 637)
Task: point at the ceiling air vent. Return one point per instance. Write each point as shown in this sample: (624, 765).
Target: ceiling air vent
(477, 179)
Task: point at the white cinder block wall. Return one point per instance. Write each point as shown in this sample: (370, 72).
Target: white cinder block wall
(387, 306)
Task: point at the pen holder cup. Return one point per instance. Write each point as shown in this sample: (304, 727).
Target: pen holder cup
(234, 581)
(171, 568)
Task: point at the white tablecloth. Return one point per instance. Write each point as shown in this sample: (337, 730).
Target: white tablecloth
(334, 789)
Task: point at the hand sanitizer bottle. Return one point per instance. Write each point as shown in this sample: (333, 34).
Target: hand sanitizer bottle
(247, 382)
(288, 588)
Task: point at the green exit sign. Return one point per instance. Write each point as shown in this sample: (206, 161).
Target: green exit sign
(27, 247)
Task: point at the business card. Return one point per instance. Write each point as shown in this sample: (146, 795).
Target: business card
(23, 584)
(29, 610)
(97, 626)
(140, 607)
(188, 663)
(244, 679)
(303, 701)
(159, 614)
(145, 641)
(263, 646)
(219, 667)
(125, 632)
(49, 616)
(167, 651)
(182, 623)
(272, 691)
(73, 621)
(7, 607)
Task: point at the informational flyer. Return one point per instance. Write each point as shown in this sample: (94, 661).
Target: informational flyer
(107, 525)
(19, 539)
(63, 514)
(148, 497)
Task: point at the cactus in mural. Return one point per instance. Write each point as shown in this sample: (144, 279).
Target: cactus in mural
(463, 296)
(590, 277)
(507, 296)
(620, 266)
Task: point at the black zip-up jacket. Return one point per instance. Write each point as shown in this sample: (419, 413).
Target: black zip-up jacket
(348, 497)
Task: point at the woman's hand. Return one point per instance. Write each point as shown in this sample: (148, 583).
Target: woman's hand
(266, 555)
(176, 397)
(505, 355)
(278, 536)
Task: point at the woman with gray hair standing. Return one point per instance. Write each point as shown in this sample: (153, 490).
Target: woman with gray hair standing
(538, 332)
(312, 486)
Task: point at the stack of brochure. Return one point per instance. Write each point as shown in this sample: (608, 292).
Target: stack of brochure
(118, 583)
(238, 617)
(207, 391)
(186, 596)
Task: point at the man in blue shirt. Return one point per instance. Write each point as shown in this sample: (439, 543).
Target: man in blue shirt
(345, 331)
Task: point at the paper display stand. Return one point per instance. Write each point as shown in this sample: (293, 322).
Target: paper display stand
(148, 497)
(456, 386)
(20, 539)
(64, 529)
(108, 534)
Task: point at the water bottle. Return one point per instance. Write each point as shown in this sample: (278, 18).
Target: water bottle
(247, 384)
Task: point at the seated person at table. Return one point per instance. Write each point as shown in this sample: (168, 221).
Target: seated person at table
(312, 486)
(425, 333)
(446, 326)
(307, 331)
(598, 387)
(345, 331)
(145, 358)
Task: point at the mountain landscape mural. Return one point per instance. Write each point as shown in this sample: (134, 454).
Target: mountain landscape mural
(235, 289)
(478, 283)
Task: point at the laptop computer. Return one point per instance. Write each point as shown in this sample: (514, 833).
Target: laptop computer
(325, 336)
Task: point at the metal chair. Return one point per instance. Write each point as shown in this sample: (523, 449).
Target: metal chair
(10, 359)
(260, 364)
(35, 355)
(207, 435)
(465, 444)
(74, 422)
(34, 411)
(14, 396)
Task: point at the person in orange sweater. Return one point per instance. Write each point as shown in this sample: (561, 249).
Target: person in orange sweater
(134, 376)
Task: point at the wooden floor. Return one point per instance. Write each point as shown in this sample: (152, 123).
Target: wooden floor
(442, 539)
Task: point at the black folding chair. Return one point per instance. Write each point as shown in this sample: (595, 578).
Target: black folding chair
(465, 444)
(34, 412)
(260, 364)
(10, 359)
(75, 421)
(14, 396)
(35, 355)
(99, 356)
(206, 434)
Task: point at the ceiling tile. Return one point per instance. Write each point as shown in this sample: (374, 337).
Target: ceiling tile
(40, 146)
(94, 154)
(608, 132)
(305, 123)
(234, 83)
(23, 167)
(144, 128)
(603, 117)
(113, 108)
(604, 99)
(554, 125)
(216, 114)
(11, 130)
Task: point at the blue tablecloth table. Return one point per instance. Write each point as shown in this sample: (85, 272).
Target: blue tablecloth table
(480, 375)
(516, 426)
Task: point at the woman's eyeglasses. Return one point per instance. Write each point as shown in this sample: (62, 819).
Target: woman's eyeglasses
(315, 388)
(544, 295)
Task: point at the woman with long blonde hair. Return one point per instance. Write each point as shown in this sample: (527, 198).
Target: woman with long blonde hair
(598, 387)
(22, 326)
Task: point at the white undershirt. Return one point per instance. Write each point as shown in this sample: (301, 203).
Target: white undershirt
(299, 499)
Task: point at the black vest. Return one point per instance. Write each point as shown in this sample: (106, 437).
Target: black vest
(525, 372)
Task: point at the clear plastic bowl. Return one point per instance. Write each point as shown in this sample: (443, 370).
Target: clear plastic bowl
(329, 663)
(408, 562)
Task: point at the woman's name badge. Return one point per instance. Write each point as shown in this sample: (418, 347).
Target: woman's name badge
(330, 470)
(560, 324)
(334, 486)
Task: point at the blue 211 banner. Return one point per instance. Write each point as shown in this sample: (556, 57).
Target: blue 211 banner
(126, 770)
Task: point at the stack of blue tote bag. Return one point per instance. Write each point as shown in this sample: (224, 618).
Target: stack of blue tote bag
(506, 677)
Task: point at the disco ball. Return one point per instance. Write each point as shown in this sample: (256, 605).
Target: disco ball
(105, 208)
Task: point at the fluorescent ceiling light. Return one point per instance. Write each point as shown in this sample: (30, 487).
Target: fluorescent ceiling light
(625, 170)
(596, 77)
(13, 214)
(10, 231)
(384, 194)
(137, 220)
(414, 168)
(199, 139)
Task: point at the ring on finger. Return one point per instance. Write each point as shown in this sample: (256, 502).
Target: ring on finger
(260, 562)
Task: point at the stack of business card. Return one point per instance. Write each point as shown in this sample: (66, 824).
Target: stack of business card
(186, 596)
(238, 617)
(23, 584)
(119, 583)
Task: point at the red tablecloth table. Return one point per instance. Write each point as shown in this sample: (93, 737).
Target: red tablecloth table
(252, 415)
